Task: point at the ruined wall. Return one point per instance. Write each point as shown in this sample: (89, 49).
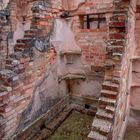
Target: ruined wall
(122, 110)
(30, 84)
(135, 64)
(4, 32)
(87, 5)
(3, 4)
(93, 45)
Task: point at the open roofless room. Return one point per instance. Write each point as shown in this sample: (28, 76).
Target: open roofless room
(69, 70)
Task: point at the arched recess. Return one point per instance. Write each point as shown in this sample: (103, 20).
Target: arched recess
(21, 18)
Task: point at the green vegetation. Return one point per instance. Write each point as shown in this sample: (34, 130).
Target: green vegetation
(75, 127)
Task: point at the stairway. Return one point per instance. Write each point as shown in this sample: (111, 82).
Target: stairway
(17, 74)
(102, 125)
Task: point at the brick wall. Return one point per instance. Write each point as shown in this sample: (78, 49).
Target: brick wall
(92, 43)
(94, 6)
(29, 76)
(122, 110)
(135, 64)
(4, 34)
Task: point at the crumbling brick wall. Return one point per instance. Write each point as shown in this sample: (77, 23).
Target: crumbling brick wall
(135, 104)
(92, 41)
(122, 110)
(4, 33)
(29, 75)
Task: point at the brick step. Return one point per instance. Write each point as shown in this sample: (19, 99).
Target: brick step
(101, 126)
(118, 17)
(4, 101)
(34, 27)
(109, 85)
(103, 114)
(117, 30)
(117, 42)
(24, 40)
(19, 49)
(20, 45)
(117, 73)
(109, 94)
(16, 55)
(116, 49)
(117, 56)
(11, 61)
(8, 76)
(33, 31)
(29, 35)
(109, 64)
(103, 101)
(117, 24)
(9, 66)
(110, 109)
(116, 80)
(93, 135)
(117, 35)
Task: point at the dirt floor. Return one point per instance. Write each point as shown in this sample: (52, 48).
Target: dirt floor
(133, 128)
(75, 127)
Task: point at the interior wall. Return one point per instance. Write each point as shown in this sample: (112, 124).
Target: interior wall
(135, 94)
(93, 45)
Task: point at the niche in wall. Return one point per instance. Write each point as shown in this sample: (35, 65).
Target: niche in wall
(91, 21)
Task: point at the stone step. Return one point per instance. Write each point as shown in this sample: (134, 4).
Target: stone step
(109, 94)
(110, 109)
(116, 49)
(103, 114)
(109, 85)
(101, 126)
(93, 135)
(107, 101)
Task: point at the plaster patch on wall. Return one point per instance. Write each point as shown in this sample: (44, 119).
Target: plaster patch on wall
(46, 94)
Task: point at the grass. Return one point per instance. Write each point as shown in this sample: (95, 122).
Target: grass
(75, 127)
